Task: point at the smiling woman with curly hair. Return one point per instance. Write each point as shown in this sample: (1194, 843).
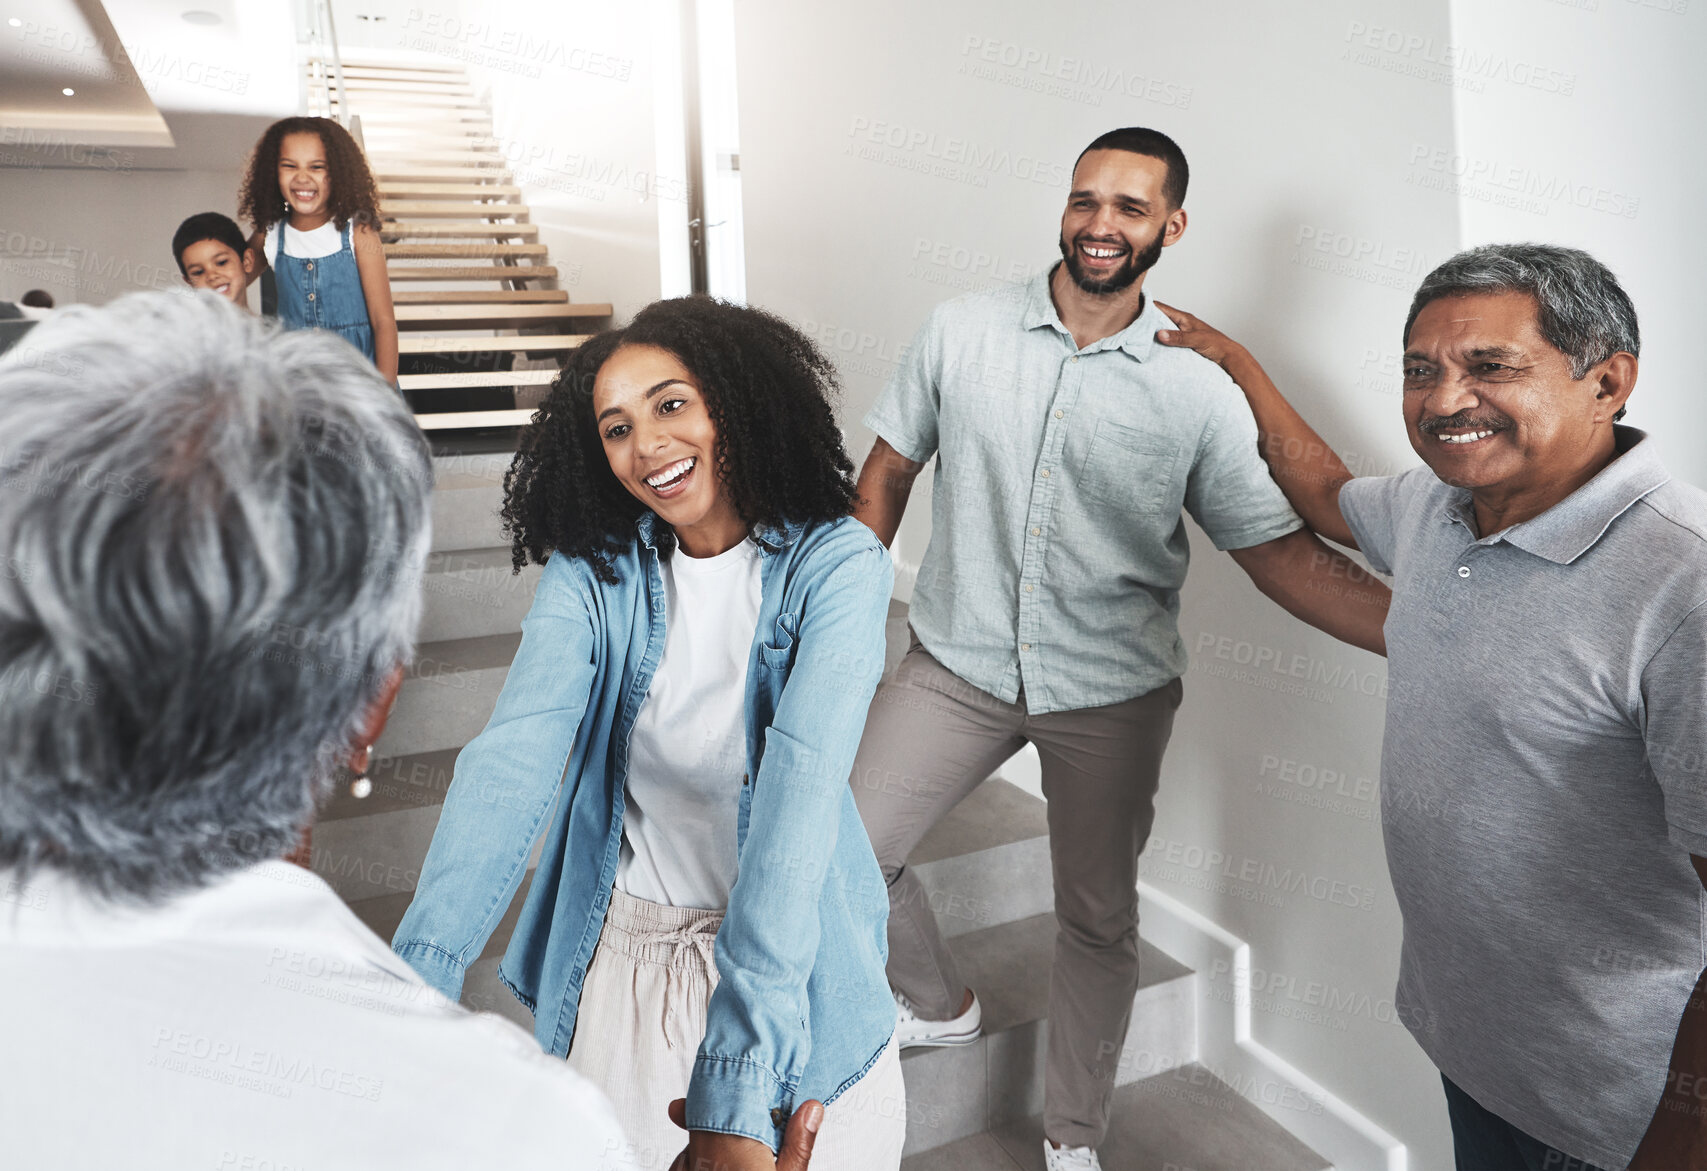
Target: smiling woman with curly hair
(766, 392)
(683, 714)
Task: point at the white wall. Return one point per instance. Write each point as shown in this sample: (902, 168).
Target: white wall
(1602, 150)
(1307, 236)
(88, 236)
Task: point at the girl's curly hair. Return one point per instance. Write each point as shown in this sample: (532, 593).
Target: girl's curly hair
(770, 395)
(354, 194)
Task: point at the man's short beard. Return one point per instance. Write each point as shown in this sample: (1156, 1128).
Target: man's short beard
(1137, 264)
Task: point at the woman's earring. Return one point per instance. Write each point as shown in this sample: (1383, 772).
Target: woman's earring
(363, 784)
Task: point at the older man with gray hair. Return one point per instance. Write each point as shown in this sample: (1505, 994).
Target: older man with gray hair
(1543, 799)
(194, 632)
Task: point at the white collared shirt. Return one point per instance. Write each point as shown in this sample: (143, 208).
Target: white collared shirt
(258, 1024)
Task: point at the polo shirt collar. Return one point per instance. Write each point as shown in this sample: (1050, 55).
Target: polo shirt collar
(1136, 339)
(1571, 527)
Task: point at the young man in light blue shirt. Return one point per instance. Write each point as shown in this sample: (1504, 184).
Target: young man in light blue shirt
(1067, 444)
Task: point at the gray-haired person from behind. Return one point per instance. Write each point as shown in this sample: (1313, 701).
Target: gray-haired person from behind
(212, 536)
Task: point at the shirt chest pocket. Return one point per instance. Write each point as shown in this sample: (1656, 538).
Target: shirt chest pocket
(777, 649)
(1129, 469)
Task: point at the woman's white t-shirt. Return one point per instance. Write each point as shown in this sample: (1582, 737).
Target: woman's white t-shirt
(309, 245)
(687, 751)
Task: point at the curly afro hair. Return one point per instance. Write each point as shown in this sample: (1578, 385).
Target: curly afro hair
(354, 195)
(770, 395)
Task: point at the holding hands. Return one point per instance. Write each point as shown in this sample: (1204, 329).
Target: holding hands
(707, 1151)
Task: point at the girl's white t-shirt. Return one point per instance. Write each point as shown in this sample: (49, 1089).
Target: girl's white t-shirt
(687, 751)
(309, 245)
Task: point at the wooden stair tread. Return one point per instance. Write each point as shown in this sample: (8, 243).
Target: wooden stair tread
(393, 85)
(388, 177)
(427, 343)
(481, 297)
(469, 251)
(398, 230)
(497, 316)
(400, 208)
(426, 128)
(382, 73)
(469, 158)
(456, 420)
(446, 190)
(473, 272)
(493, 378)
(464, 120)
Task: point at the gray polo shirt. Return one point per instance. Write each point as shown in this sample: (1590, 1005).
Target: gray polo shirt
(1542, 788)
(1057, 545)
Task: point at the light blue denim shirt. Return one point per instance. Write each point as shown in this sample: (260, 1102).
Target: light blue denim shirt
(802, 1008)
(1057, 545)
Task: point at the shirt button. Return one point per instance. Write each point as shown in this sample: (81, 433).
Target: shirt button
(1037, 532)
(311, 296)
(310, 266)
(744, 777)
(1463, 571)
(1045, 473)
(1075, 357)
(1028, 589)
(1060, 414)
(1025, 646)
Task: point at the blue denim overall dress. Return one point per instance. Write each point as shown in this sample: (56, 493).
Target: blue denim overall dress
(324, 293)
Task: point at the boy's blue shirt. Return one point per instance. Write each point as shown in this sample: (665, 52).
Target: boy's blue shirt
(802, 1008)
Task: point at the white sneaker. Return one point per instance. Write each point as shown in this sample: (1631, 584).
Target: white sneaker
(913, 1031)
(1069, 1158)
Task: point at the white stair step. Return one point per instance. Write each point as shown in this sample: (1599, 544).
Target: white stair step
(448, 694)
(960, 1091)
(475, 379)
(464, 346)
(472, 420)
(468, 491)
(1186, 1119)
(472, 593)
(586, 313)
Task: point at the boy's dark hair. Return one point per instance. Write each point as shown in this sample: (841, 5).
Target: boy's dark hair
(354, 195)
(206, 225)
(37, 299)
(1153, 144)
(769, 392)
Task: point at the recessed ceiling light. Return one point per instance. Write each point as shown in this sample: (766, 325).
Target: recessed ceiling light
(15, 22)
(202, 16)
(68, 92)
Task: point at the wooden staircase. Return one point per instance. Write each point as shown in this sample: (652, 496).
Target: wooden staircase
(482, 327)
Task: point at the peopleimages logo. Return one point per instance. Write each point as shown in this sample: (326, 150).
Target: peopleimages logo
(1528, 189)
(1422, 56)
(949, 150)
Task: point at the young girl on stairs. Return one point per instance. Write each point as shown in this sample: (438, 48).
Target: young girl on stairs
(315, 211)
(707, 918)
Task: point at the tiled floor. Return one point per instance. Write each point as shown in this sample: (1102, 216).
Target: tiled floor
(1185, 1120)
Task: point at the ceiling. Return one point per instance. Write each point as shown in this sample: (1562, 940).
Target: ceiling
(144, 72)
(48, 46)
